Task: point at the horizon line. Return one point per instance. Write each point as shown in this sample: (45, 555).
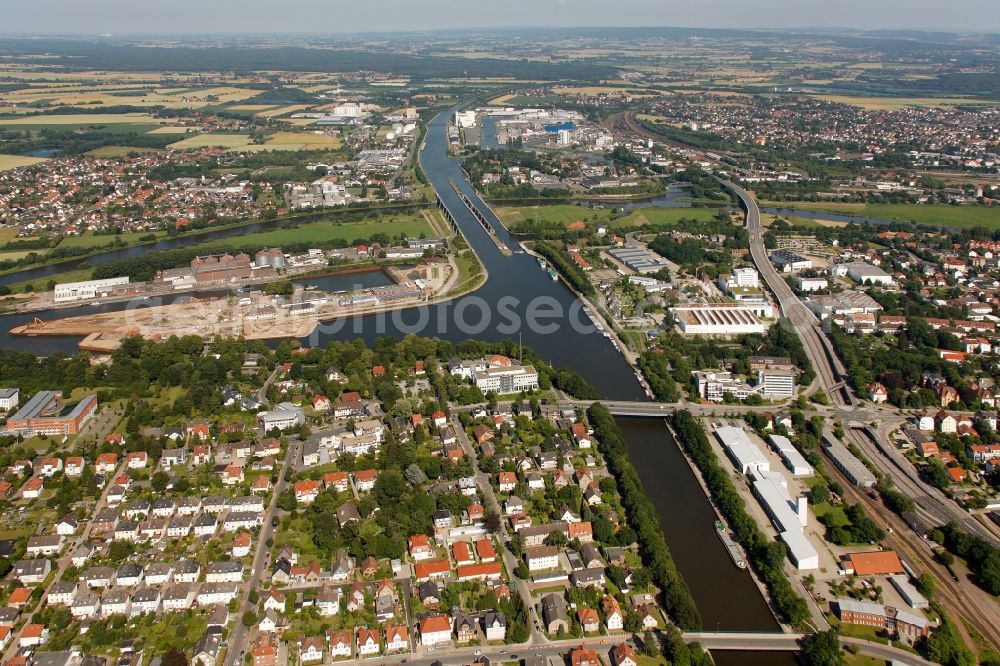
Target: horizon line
(291, 33)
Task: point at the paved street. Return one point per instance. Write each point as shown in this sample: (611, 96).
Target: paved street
(238, 640)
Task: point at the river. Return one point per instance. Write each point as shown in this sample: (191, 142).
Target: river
(43, 273)
(519, 290)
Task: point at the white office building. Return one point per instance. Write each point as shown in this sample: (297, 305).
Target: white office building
(715, 385)
(809, 284)
(9, 398)
(746, 277)
(776, 384)
(503, 380)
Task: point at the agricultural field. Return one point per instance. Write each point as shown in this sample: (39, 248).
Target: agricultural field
(80, 119)
(943, 215)
(896, 103)
(212, 139)
(173, 129)
(299, 141)
(16, 161)
(283, 110)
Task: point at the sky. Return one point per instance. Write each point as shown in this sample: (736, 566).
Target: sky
(96, 17)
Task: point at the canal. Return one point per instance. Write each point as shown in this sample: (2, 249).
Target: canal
(517, 293)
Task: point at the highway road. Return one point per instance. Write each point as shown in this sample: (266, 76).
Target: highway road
(829, 369)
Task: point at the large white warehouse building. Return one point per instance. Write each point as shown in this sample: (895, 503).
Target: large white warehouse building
(718, 319)
(75, 291)
(744, 453)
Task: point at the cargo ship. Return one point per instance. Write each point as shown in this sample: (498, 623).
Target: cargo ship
(735, 551)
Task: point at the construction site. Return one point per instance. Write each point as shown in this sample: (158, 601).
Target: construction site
(255, 316)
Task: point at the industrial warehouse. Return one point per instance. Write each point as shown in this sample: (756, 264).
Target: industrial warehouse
(790, 515)
(718, 319)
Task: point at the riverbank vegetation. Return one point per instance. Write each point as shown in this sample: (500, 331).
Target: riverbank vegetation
(766, 556)
(570, 272)
(290, 239)
(677, 599)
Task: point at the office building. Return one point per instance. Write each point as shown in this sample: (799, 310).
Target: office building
(504, 380)
(45, 414)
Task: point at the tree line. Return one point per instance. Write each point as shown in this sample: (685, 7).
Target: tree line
(572, 273)
(641, 513)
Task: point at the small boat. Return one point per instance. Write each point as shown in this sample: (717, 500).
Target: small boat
(553, 275)
(98, 302)
(310, 287)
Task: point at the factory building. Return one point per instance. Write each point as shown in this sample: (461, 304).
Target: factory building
(846, 462)
(789, 262)
(76, 291)
(218, 268)
(862, 273)
(272, 257)
(790, 516)
(639, 259)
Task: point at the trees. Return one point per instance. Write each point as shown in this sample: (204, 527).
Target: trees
(822, 649)
(159, 481)
(174, 657)
(643, 519)
(983, 559)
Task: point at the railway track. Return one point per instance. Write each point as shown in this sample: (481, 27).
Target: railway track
(960, 600)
